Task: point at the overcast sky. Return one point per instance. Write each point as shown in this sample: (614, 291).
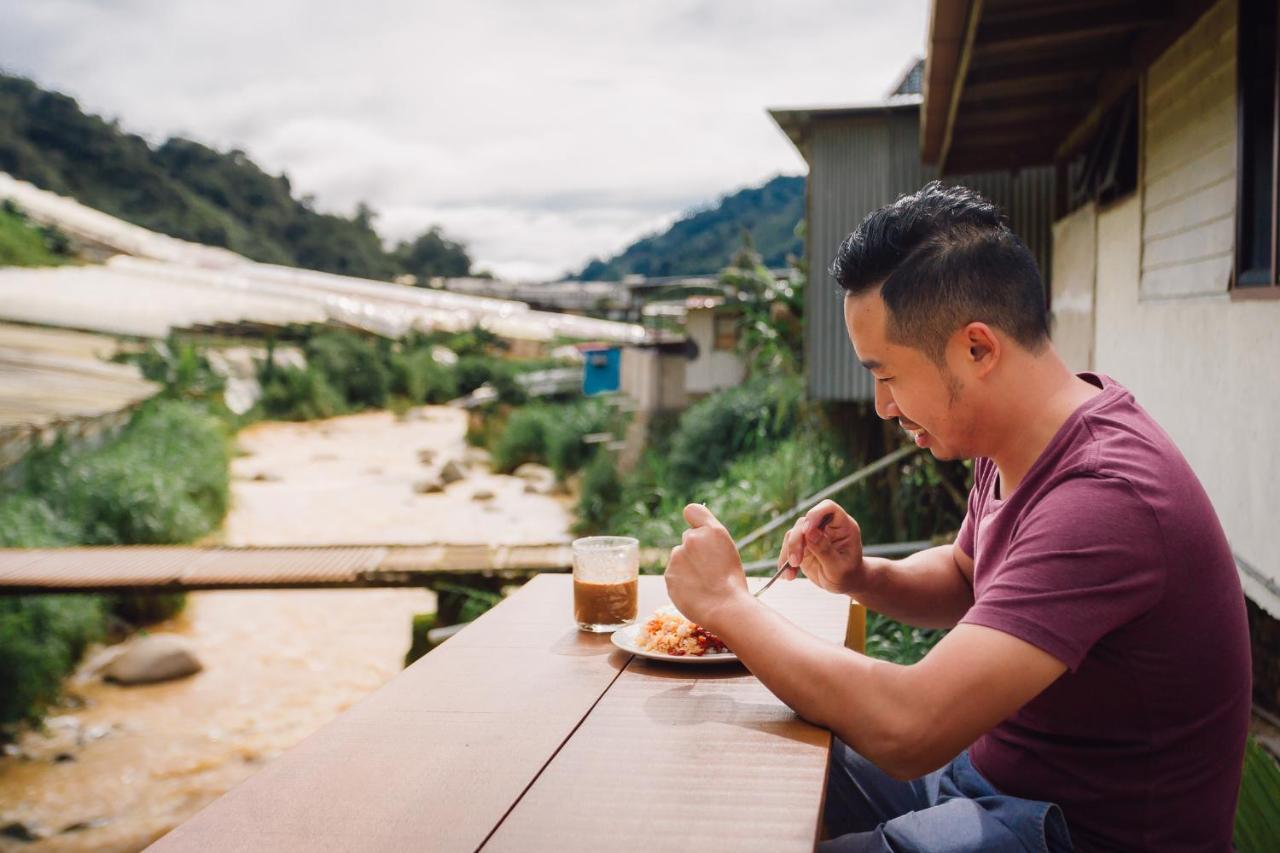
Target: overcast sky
(539, 133)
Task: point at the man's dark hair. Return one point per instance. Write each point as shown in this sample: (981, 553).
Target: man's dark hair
(944, 257)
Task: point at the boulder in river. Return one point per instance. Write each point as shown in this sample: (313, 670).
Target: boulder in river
(428, 486)
(538, 479)
(452, 471)
(157, 657)
(19, 830)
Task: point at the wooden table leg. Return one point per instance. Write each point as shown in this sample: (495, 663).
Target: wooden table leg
(855, 632)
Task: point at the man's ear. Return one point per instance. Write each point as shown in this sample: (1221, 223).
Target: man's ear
(983, 347)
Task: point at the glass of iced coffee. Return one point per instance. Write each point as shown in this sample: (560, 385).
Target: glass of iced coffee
(606, 571)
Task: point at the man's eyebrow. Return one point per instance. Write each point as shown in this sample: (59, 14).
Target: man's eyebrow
(870, 363)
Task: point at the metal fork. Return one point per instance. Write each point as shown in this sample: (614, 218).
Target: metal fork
(822, 523)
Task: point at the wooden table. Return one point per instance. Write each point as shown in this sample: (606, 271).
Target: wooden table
(522, 733)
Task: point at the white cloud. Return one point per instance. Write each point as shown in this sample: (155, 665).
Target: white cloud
(538, 133)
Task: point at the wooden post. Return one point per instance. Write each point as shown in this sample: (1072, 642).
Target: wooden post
(855, 631)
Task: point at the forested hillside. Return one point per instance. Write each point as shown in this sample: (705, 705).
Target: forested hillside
(704, 242)
(188, 190)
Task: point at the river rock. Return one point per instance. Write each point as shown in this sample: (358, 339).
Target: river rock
(477, 457)
(538, 479)
(157, 657)
(428, 486)
(23, 831)
(482, 495)
(82, 825)
(452, 471)
(427, 455)
(533, 471)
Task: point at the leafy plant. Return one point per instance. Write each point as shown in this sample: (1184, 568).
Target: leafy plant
(722, 427)
(1257, 824)
(893, 641)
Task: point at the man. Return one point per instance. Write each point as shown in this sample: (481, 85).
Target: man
(1097, 669)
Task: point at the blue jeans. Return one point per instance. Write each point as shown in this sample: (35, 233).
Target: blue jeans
(950, 810)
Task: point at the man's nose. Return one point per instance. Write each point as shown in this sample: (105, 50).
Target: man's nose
(886, 408)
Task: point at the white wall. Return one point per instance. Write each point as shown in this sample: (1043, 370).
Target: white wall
(1072, 300)
(1208, 370)
(655, 380)
(1205, 366)
(712, 370)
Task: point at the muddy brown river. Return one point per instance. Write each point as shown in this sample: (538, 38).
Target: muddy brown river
(134, 762)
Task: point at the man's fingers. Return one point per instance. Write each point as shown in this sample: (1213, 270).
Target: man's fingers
(697, 515)
(792, 547)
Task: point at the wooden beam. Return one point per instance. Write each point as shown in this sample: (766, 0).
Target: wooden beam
(1029, 11)
(957, 87)
(1073, 22)
(1058, 41)
(946, 33)
(1117, 81)
(1072, 80)
(1055, 110)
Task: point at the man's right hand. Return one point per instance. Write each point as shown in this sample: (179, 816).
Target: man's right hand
(831, 557)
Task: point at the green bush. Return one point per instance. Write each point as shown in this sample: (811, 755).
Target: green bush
(354, 366)
(598, 500)
(567, 449)
(299, 394)
(27, 521)
(416, 375)
(553, 435)
(722, 427)
(473, 371)
(524, 437)
(180, 366)
(41, 638)
(164, 479)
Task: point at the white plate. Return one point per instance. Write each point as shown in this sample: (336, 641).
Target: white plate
(625, 639)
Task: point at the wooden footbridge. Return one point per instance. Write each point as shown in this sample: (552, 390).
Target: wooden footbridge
(155, 568)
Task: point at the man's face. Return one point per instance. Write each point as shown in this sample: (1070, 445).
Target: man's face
(928, 401)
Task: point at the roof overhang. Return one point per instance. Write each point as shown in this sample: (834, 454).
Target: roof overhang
(797, 122)
(1016, 83)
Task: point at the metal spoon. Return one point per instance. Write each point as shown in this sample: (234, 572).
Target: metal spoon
(822, 523)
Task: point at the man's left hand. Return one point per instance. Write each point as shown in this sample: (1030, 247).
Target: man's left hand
(704, 572)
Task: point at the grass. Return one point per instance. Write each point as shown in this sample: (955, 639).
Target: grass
(24, 244)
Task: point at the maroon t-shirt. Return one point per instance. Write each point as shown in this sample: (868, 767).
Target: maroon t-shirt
(1108, 555)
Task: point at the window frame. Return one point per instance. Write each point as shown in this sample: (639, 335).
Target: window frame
(1270, 287)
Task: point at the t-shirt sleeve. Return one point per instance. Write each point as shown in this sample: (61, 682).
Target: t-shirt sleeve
(1085, 560)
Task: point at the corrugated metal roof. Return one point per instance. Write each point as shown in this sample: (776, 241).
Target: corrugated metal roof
(857, 163)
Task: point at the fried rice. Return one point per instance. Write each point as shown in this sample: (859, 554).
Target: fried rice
(669, 632)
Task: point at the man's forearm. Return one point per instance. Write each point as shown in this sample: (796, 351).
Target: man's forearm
(927, 589)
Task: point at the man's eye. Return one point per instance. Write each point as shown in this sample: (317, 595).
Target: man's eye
(884, 379)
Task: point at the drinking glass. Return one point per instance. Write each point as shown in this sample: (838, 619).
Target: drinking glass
(606, 572)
